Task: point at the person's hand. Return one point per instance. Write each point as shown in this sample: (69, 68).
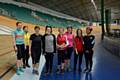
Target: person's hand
(30, 53)
(87, 51)
(15, 48)
(76, 51)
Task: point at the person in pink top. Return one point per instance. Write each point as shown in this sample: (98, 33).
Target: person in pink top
(70, 38)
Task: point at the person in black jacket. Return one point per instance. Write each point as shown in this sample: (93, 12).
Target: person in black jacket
(49, 48)
(89, 41)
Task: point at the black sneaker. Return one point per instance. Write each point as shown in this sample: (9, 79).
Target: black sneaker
(74, 69)
(33, 72)
(36, 72)
(79, 70)
(89, 70)
(57, 71)
(68, 69)
(50, 72)
(46, 73)
(62, 71)
(24, 66)
(85, 70)
(28, 65)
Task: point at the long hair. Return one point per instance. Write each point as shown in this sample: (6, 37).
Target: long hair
(70, 28)
(77, 35)
(48, 27)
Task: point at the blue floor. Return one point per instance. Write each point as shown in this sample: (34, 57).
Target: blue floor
(106, 67)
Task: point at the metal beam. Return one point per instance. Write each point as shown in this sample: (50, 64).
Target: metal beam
(102, 19)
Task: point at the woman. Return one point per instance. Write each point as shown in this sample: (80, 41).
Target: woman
(18, 42)
(61, 48)
(78, 49)
(89, 41)
(70, 47)
(35, 48)
(27, 43)
(49, 48)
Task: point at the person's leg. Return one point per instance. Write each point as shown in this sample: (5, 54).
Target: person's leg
(27, 56)
(33, 55)
(37, 59)
(19, 60)
(59, 62)
(24, 59)
(51, 61)
(75, 61)
(86, 60)
(22, 50)
(80, 60)
(47, 62)
(90, 59)
(63, 61)
(69, 53)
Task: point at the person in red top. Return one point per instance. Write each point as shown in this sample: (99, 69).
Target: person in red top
(78, 49)
(61, 48)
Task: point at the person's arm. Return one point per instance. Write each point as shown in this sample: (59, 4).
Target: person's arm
(54, 43)
(30, 47)
(14, 42)
(74, 42)
(31, 38)
(93, 41)
(75, 49)
(43, 44)
(67, 43)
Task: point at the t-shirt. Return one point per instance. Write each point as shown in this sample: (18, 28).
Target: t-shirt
(27, 39)
(89, 42)
(79, 44)
(49, 46)
(36, 41)
(70, 38)
(61, 40)
(19, 36)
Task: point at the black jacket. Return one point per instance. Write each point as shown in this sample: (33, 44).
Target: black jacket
(54, 41)
(89, 42)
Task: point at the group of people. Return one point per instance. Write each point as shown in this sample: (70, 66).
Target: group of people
(63, 46)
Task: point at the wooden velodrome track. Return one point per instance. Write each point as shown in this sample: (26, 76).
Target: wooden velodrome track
(7, 55)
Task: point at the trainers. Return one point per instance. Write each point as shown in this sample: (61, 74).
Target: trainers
(18, 72)
(79, 70)
(68, 69)
(33, 72)
(21, 69)
(24, 66)
(62, 71)
(28, 65)
(89, 70)
(85, 70)
(36, 72)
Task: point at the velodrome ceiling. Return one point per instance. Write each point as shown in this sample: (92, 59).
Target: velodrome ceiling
(83, 9)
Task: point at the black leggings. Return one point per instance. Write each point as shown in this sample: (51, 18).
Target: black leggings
(49, 61)
(76, 56)
(35, 54)
(88, 59)
(26, 56)
(61, 56)
(20, 51)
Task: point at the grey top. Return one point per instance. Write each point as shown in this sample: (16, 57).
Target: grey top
(49, 46)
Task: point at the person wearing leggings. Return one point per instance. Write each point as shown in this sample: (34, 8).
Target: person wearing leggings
(27, 43)
(61, 49)
(35, 49)
(70, 47)
(49, 48)
(18, 42)
(78, 49)
(89, 41)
